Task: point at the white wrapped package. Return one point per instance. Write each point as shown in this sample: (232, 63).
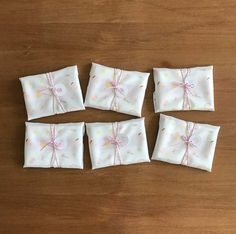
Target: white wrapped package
(52, 93)
(115, 89)
(54, 145)
(118, 143)
(187, 143)
(183, 89)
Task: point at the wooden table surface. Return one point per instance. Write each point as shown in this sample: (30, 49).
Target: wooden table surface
(156, 197)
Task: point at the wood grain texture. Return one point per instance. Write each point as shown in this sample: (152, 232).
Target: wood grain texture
(45, 35)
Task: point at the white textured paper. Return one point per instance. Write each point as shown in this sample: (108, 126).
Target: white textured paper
(39, 99)
(171, 144)
(115, 89)
(133, 143)
(183, 89)
(68, 142)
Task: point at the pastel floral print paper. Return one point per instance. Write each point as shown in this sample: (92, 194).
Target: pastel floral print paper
(183, 89)
(186, 143)
(52, 93)
(115, 89)
(117, 143)
(54, 145)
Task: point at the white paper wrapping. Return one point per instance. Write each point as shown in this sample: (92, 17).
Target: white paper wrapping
(187, 143)
(52, 93)
(54, 145)
(183, 89)
(115, 89)
(117, 143)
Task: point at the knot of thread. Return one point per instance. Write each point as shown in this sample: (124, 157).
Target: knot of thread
(54, 90)
(115, 141)
(54, 144)
(188, 141)
(187, 87)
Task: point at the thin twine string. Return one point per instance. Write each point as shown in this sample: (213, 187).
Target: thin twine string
(53, 90)
(55, 146)
(188, 143)
(115, 85)
(114, 140)
(186, 88)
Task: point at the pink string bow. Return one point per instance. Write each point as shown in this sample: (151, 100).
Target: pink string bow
(117, 141)
(186, 88)
(55, 146)
(115, 85)
(54, 91)
(188, 143)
